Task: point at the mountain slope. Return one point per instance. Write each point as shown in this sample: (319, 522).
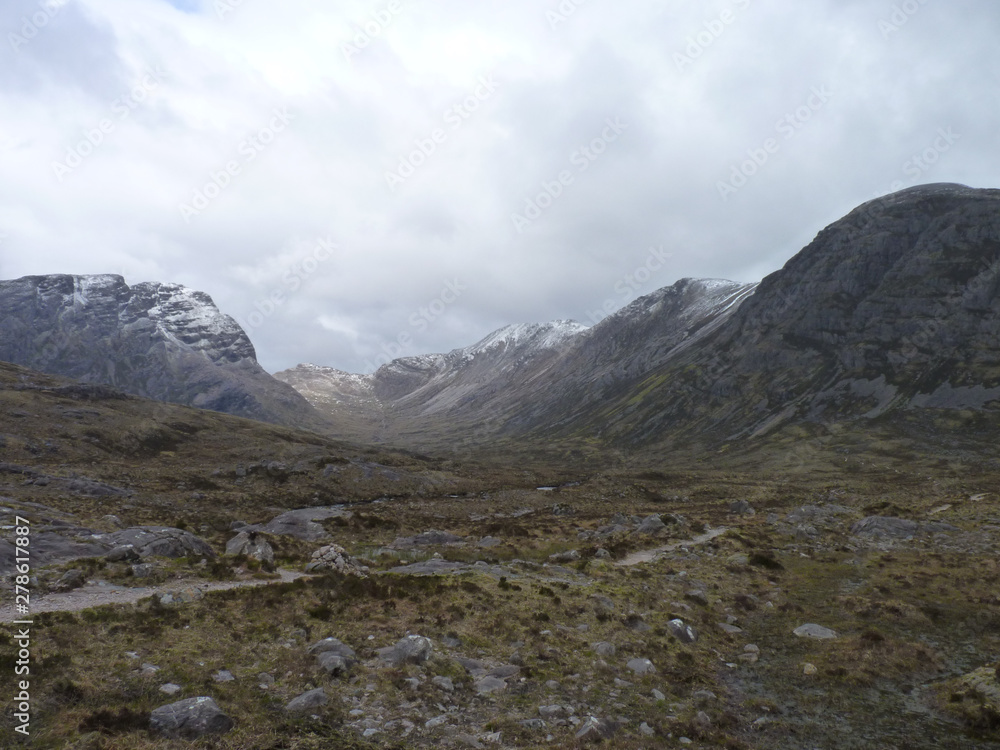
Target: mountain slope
(892, 312)
(161, 341)
(521, 374)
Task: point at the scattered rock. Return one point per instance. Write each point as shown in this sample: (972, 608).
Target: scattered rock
(725, 627)
(143, 570)
(333, 646)
(682, 632)
(301, 523)
(641, 666)
(223, 675)
(488, 685)
(248, 543)
(170, 688)
(812, 630)
(445, 683)
(651, 525)
(489, 541)
(742, 507)
(189, 719)
(887, 527)
(111, 520)
(595, 730)
(697, 596)
(414, 649)
(568, 556)
(123, 553)
(646, 730)
(161, 541)
(308, 701)
(184, 595)
(71, 579)
(335, 557)
(437, 721)
(809, 669)
(604, 649)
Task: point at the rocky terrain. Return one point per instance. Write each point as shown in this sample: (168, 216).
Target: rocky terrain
(229, 584)
(161, 341)
(728, 516)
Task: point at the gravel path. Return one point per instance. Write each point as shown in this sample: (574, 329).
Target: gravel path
(649, 555)
(98, 594)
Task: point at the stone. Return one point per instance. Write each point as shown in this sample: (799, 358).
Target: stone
(602, 554)
(725, 627)
(445, 683)
(533, 724)
(488, 685)
(704, 697)
(812, 630)
(742, 508)
(555, 712)
(335, 557)
(123, 553)
(143, 570)
(333, 646)
(170, 688)
(809, 669)
(603, 606)
(646, 730)
(702, 720)
(71, 579)
(189, 719)
(301, 523)
(413, 649)
(111, 520)
(603, 649)
(641, 666)
(504, 672)
(568, 556)
(682, 632)
(223, 675)
(307, 702)
(184, 595)
(437, 721)
(595, 730)
(333, 664)
(658, 696)
(265, 680)
(651, 525)
(251, 545)
(161, 541)
(488, 541)
(697, 596)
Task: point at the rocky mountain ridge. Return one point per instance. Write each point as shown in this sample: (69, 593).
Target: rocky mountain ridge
(161, 341)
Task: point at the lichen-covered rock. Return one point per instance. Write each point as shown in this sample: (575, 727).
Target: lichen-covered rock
(252, 546)
(414, 649)
(160, 541)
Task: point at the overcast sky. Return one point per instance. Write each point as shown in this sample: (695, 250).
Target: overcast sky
(425, 171)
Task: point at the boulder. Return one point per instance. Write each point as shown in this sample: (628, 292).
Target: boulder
(414, 649)
(160, 541)
(682, 632)
(189, 719)
(651, 525)
(812, 630)
(595, 730)
(307, 702)
(248, 543)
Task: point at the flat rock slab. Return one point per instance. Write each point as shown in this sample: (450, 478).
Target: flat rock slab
(301, 523)
(887, 527)
(189, 719)
(426, 539)
(159, 541)
(812, 630)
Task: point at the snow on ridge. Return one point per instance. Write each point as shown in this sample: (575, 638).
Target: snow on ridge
(542, 335)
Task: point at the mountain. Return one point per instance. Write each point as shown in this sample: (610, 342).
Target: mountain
(161, 341)
(520, 374)
(889, 316)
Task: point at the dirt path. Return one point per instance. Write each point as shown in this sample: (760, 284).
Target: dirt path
(96, 595)
(649, 555)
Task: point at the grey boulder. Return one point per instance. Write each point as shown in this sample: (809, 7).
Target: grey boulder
(189, 719)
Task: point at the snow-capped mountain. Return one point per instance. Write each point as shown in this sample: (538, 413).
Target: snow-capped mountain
(162, 341)
(519, 372)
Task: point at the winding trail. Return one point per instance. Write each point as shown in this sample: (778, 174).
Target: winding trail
(99, 594)
(650, 555)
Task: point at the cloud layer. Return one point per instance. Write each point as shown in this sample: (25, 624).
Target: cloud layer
(345, 180)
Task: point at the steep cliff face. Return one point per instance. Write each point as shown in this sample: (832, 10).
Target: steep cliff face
(894, 307)
(162, 341)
